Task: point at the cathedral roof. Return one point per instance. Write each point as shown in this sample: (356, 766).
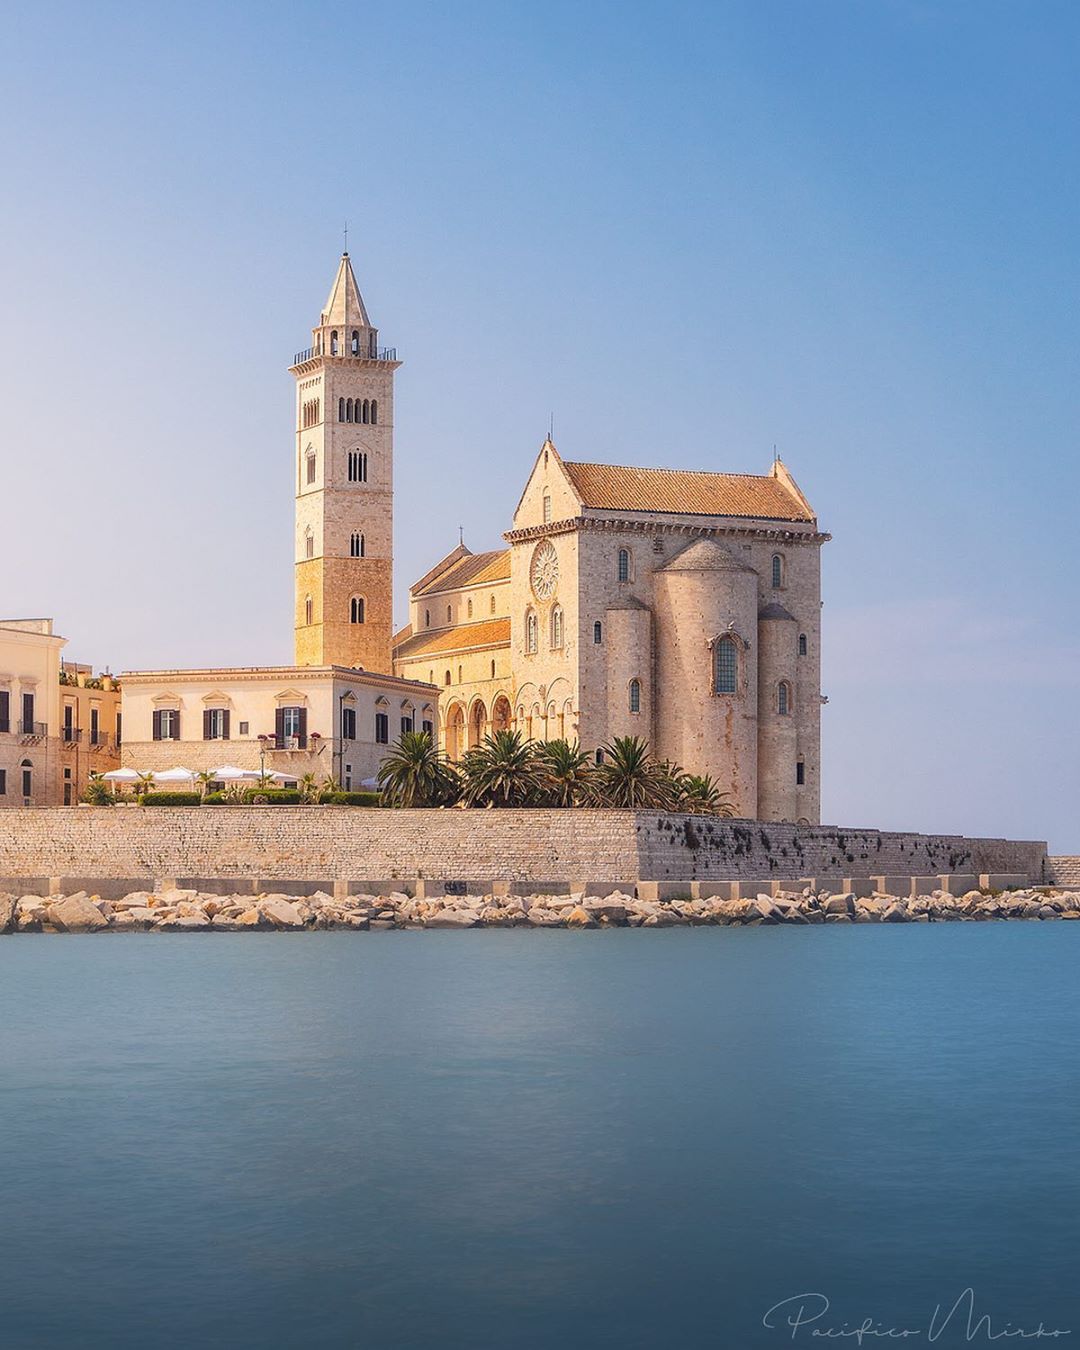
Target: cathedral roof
(775, 611)
(462, 568)
(681, 492)
(704, 555)
(462, 637)
(345, 305)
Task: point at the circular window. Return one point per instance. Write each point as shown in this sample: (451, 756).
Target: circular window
(544, 573)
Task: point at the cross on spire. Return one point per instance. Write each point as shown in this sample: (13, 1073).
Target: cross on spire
(346, 236)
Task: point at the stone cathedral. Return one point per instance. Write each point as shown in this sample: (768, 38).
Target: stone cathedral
(676, 605)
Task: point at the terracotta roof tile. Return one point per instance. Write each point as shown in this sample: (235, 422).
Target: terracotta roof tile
(475, 569)
(612, 487)
(463, 637)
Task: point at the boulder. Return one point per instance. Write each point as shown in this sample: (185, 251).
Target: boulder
(539, 917)
(174, 897)
(76, 914)
(280, 911)
(381, 924)
(896, 913)
(8, 912)
(579, 917)
(453, 918)
(1048, 912)
(174, 922)
(840, 904)
(605, 907)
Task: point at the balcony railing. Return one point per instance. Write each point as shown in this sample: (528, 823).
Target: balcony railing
(380, 354)
(71, 735)
(24, 727)
(100, 740)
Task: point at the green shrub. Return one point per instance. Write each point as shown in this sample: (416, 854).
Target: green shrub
(354, 799)
(172, 799)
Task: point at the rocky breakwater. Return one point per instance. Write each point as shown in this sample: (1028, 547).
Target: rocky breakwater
(178, 911)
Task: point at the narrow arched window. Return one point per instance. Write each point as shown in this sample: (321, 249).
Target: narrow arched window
(783, 698)
(598, 633)
(366, 408)
(309, 545)
(635, 696)
(449, 613)
(469, 609)
(530, 632)
(348, 410)
(777, 571)
(341, 410)
(726, 666)
(800, 773)
(309, 610)
(802, 644)
(333, 344)
(493, 604)
(493, 670)
(556, 628)
(624, 564)
(459, 674)
(447, 677)
(310, 462)
(355, 343)
(356, 545)
(427, 618)
(356, 609)
(374, 410)
(547, 508)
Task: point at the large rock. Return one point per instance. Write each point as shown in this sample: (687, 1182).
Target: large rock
(182, 922)
(280, 912)
(76, 914)
(605, 907)
(9, 905)
(840, 904)
(896, 913)
(452, 918)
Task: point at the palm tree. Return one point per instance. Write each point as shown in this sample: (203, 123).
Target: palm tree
(205, 780)
(309, 789)
(504, 771)
(566, 770)
(629, 776)
(144, 784)
(327, 788)
(701, 794)
(416, 773)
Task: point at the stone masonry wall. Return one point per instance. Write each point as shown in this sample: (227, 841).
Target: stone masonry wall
(349, 844)
(1065, 871)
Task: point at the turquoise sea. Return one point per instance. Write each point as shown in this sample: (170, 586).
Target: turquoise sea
(537, 1139)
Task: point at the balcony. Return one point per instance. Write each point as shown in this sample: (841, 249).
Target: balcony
(380, 354)
(96, 740)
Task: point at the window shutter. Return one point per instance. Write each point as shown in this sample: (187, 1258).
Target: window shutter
(279, 725)
(5, 710)
(206, 724)
(302, 738)
(176, 725)
(225, 725)
(157, 724)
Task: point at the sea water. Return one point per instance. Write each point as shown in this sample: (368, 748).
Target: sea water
(674, 1138)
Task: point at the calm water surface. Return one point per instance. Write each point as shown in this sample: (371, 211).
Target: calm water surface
(538, 1139)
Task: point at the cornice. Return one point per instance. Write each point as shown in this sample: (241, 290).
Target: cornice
(623, 526)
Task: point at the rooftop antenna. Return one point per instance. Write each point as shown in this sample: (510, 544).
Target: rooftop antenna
(551, 428)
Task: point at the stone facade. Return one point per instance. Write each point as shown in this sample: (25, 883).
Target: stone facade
(620, 592)
(52, 736)
(293, 720)
(344, 476)
(328, 844)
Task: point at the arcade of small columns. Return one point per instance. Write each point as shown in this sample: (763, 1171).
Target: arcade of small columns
(466, 726)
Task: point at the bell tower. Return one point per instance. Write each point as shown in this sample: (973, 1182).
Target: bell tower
(344, 486)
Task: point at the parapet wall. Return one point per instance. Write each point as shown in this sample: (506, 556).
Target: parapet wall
(345, 845)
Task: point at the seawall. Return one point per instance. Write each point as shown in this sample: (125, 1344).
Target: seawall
(352, 847)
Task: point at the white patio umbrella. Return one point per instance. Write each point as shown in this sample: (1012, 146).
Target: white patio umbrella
(122, 776)
(177, 775)
(229, 773)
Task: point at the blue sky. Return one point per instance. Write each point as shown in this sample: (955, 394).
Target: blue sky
(692, 231)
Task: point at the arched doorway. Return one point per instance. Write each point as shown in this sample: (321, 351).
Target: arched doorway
(477, 723)
(501, 715)
(455, 732)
